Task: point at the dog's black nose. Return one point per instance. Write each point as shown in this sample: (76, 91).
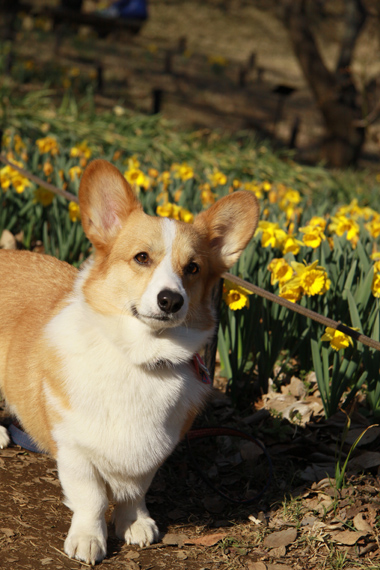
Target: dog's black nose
(169, 301)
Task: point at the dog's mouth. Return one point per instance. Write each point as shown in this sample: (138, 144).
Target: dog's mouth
(151, 318)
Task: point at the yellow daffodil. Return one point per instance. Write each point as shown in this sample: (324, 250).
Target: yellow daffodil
(374, 226)
(170, 210)
(74, 211)
(43, 196)
(312, 278)
(353, 210)
(183, 171)
(18, 144)
(75, 172)
(312, 236)
(271, 234)
(337, 339)
(217, 178)
(133, 163)
(290, 244)
(267, 186)
(341, 225)
(19, 183)
(234, 296)
(137, 179)
(290, 198)
(165, 178)
(11, 177)
(255, 188)
(116, 155)
(81, 150)
(207, 196)
(308, 279)
(186, 216)
(47, 145)
(376, 285)
(177, 195)
(280, 270)
(317, 221)
(290, 293)
(48, 168)
(153, 173)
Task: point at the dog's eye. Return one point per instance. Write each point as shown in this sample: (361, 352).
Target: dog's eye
(192, 268)
(142, 258)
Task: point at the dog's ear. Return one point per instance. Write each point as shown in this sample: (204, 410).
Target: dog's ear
(230, 223)
(106, 200)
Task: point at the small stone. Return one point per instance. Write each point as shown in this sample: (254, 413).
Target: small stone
(132, 555)
(7, 240)
(280, 538)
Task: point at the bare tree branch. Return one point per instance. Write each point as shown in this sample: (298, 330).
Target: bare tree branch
(355, 16)
(320, 79)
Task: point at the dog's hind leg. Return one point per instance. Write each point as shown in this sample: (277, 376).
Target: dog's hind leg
(4, 437)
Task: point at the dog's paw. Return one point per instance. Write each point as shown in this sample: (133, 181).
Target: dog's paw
(142, 531)
(4, 437)
(86, 547)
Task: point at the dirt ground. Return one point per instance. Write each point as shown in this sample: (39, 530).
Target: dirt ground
(299, 521)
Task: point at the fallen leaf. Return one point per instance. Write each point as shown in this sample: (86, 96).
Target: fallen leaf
(295, 388)
(347, 537)
(316, 472)
(361, 524)
(280, 538)
(365, 460)
(368, 437)
(256, 566)
(208, 539)
(278, 552)
(175, 539)
(130, 565)
(181, 555)
(308, 520)
(8, 532)
(132, 555)
(254, 520)
(250, 451)
(7, 240)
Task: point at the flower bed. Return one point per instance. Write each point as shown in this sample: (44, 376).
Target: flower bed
(324, 258)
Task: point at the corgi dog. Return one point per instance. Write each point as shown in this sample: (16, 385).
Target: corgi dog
(98, 364)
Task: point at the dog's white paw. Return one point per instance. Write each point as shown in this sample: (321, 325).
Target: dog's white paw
(4, 437)
(142, 531)
(86, 547)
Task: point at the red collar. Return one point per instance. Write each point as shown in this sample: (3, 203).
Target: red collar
(201, 369)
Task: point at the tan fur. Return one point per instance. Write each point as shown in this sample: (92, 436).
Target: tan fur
(33, 289)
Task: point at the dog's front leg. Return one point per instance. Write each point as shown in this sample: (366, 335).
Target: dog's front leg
(133, 523)
(86, 496)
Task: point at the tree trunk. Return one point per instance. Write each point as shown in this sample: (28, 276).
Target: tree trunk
(335, 93)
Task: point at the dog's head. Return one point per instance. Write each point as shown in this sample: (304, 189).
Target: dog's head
(158, 270)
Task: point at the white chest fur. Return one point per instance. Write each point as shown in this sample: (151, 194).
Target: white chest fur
(122, 413)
